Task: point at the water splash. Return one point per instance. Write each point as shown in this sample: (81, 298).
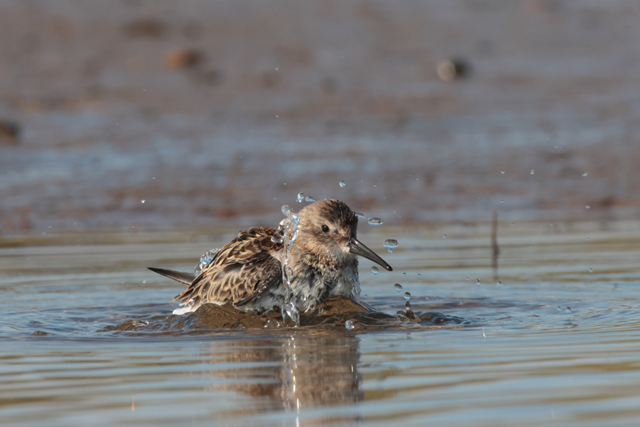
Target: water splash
(205, 260)
(286, 234)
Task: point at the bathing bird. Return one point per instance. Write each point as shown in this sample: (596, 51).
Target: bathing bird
(321, 261)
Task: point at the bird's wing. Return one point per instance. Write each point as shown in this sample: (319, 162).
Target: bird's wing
(178, 276)
(240, 271)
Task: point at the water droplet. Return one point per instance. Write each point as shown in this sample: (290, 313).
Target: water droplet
(300, 197)
(532, 171)
(356, 289)
(587, 239)
(142, 201)
(291, 311)
(343, 184)
(391, 244)
(502, 172)
(407, 296)
(585, 174)
(588, 207)
(375, 221)
(419, 275)
(349, 325)
(559, 308)
(277, 116)
(397, 287)
(478, 282)
(467, 279)
(320, 310)
(310, 199)
(567, 310)
(190, 303)
(153, 177)
(374, 270)
(590, 270)
(444, 237)
(286, 210)
(499, 283)
(277, 238)
(359, 215)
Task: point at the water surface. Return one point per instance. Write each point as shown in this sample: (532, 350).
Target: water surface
(557, 342)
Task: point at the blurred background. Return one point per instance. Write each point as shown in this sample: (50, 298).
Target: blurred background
(157, 114)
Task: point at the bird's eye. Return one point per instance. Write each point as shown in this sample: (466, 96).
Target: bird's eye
(325, 229)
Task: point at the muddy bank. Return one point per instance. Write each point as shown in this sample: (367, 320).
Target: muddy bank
(158, 114)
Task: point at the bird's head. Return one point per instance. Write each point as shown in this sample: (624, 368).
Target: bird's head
(329, 228)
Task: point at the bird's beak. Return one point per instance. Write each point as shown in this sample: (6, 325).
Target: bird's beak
(356, 247)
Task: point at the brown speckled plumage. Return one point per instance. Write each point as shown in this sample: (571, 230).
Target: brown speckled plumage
(247, 271)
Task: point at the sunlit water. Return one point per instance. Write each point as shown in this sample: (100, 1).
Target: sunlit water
(557, 342)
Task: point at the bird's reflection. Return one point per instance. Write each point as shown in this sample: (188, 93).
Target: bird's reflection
(294, 372)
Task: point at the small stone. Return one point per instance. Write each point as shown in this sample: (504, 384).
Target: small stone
(182, 58)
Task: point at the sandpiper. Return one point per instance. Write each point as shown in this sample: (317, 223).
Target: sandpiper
(248, 271)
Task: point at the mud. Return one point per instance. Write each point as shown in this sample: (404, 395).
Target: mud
(154, 114)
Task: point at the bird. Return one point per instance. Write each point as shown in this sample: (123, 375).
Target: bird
(318, 253)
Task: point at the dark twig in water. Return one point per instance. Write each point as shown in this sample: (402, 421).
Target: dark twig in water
(494, 245)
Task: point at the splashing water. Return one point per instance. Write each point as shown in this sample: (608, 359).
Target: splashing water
(350, 325)
(286, 234)
(205, 260)
(375, 221)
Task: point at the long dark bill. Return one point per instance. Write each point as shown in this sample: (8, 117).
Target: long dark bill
(356, 247)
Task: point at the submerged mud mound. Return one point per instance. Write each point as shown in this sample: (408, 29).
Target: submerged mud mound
(335, 313)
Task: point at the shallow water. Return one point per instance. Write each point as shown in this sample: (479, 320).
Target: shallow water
(555, 344)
